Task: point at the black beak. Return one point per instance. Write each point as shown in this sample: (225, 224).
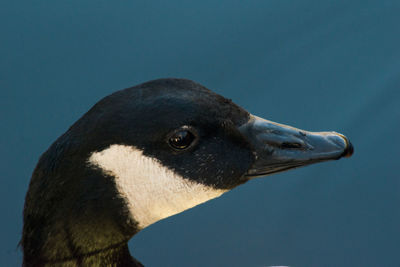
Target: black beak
(279, 147)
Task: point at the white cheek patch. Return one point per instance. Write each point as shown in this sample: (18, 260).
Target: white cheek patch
(151, 190)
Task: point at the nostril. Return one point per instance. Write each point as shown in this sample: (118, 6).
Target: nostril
(286, 145)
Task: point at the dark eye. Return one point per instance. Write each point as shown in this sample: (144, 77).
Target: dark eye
(181, 139)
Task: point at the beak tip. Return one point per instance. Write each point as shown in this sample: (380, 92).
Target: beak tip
(349, 150)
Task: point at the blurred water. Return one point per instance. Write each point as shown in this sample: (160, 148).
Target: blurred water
(318, 65)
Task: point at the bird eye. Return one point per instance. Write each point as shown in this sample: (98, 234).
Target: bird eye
(181, 139)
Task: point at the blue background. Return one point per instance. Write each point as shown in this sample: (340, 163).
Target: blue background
(317, 65)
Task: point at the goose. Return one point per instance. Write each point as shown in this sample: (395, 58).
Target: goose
(143, 154)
